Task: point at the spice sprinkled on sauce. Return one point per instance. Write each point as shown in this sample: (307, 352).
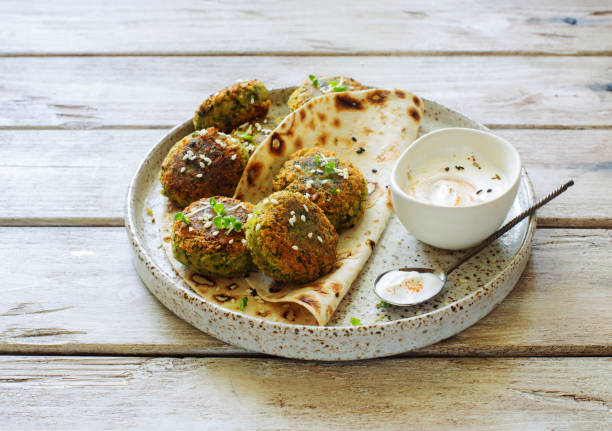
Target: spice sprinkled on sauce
(440, 180)
(407, 287)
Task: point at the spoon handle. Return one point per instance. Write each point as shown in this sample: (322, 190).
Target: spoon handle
(529, 211)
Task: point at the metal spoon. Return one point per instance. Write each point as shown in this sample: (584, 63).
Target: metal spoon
(443, 275)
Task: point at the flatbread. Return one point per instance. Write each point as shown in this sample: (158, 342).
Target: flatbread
(382, 122)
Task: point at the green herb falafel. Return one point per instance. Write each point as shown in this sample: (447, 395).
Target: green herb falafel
(334, 184)
(208, 237)
(291, 239)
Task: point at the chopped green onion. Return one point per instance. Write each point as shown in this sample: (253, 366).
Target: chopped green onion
(333, 191)
(180, 216)
(226, 222)
(237, 226)
(333, 83)
(340, 88)
(212, 201)
(243, 302)
(384, 304)
(329, 168)
(218, 221)
(314, 80)
(355, 321)
(380, 317)
(317, 159)
(219, 208)
(244, 136)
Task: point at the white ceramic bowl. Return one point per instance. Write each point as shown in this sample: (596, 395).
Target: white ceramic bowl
(448, 227)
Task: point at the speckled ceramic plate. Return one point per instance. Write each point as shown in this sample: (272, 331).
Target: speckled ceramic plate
(472, 291)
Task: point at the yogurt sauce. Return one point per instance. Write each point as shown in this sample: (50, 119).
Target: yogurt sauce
(457, 177)
(407, 287)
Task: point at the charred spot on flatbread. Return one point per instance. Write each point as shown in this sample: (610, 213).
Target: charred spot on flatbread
(277, 145)
(371, 243)
(302, 114)
(336, 122)
(378, 97)
(401, 94)
(253, 172)
(416, 100)
(313, 302)
(322, 116)
(347, 102)
(414, 114)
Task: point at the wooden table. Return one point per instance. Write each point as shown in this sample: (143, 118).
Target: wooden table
(86, 88)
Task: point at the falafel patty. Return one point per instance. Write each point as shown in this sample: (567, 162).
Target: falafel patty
(233, 105)
(211, 245)
(319, 85)
(335, 185)
(290, 238)
(203, 164)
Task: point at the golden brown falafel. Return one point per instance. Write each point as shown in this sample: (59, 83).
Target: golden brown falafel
(233, 105)
(291, 239)
(203, 164)
(319, 85)
(210, 243)
(335, 185)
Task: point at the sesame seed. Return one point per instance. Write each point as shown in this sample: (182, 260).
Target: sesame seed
(303, 217)
(274, 201)
(310, 235)
(190, 229)
(319, 238)
(202, 165)
(292, 212)
(249, 216)
(182, 169)
(266, 200)
(243, 241)
(199, 175)
(207, 224)
(252, 100)
(234, 156)
(305, 208)
(257, 227)
(231, 241)
(307, 195)
(295, 247)
(215, 233)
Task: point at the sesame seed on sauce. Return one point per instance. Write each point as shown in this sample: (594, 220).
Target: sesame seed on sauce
(320, 239)
(190, 229)
(305, 208)
(257, 227)
(234, 156)
(310, 235)
(207, 224)
(202, 165)
(303, 217)
(231, 241)
(215, 233)
(199, 175)
(274, 201)
(295, 247)
(183, 169)
(243, 241)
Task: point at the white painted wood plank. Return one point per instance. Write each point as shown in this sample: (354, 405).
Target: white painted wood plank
(267, 394)
(93, 92)
(74, 291)
(81, 177)
(316, 26)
